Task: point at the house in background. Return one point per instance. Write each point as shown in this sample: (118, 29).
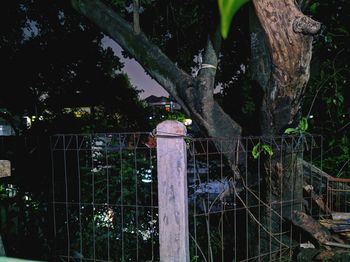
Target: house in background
(163, 102)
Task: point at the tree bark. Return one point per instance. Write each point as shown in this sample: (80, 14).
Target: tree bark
(289, 35)
(282, 48)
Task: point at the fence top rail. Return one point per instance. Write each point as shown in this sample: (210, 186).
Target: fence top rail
(101, 141)
(263, 138)
(101, 134)
(189, 137)
(148, 139)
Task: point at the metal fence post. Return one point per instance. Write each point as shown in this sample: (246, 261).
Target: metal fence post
(172, 192)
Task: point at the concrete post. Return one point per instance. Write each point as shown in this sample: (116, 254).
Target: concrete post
(172, 192)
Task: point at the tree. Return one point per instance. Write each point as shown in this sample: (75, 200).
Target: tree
(281, 40)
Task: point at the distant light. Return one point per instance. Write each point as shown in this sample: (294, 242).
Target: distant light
(187, 122)
(311, 116)
(147, 176)
(27, 121)
(146, 180)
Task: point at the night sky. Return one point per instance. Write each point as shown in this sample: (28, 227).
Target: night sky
(136, 73)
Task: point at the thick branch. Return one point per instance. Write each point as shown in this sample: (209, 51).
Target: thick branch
(210, 58)
(152, 59)
(311, 226)
(201, 97)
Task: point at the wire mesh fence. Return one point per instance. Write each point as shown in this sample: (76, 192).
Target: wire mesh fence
(338, 194)
(105, 204)
(241, 191)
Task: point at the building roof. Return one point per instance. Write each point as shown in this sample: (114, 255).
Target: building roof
(156, 99)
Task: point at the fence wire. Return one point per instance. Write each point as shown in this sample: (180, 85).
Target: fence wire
(104, 192)
(241, 193)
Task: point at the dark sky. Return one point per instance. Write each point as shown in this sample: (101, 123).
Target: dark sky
(136, 73)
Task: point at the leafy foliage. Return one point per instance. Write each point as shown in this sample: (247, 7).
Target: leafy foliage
(261, 148)
(300, 129)
(327, 102)
(56, 59)
(25, 217)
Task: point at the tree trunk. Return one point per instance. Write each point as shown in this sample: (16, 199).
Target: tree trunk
(282, 48)
(288, 34)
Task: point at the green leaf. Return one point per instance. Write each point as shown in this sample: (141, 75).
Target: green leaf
(228, 8)
(256, 151)
(290, 130)
(303, 125)
(194, 258)
(267, 150)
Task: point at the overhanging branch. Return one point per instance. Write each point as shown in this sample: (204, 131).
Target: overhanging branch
(194, 95)
(151, 58)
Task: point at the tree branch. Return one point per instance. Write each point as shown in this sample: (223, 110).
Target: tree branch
(211, 55)
(207, 73)
(305, 25)
(200, 97)
(311, 226)
(151, 58)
